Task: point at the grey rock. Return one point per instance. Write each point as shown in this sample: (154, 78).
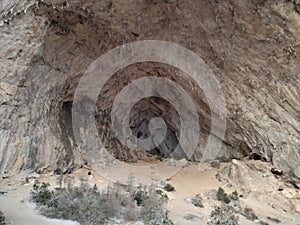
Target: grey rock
(212, 194)
(41, 64)
(235, 162)
(196, 201)
(192, 217)
(246, 177)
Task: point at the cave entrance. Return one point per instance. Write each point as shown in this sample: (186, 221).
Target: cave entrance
(152, 107)
(141, 114)
(145, 109)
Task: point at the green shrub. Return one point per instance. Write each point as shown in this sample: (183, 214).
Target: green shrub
(169, 187)
(2, 218)
(41, 194)
(222, 196)
(141, 197)
(89, 206)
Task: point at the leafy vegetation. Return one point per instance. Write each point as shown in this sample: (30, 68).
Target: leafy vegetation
(141, 197)
(224, 197)
(90, 206)
(41, 194)
(169, 188)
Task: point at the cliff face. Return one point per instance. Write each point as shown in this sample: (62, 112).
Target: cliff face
(251, 46)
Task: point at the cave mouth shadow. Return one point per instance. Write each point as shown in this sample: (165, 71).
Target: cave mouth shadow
(151, 107)
(141, 114)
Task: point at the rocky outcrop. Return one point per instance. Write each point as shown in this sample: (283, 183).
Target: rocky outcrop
(255, 180)
(251, 46)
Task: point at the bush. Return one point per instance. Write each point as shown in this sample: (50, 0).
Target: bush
(169, 187)
(2, 218)
(41, 193)
(141, 197)
(89, 206)
(223, 215)
(223, 197)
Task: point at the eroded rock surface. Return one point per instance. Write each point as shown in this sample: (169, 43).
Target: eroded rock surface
(251, 46)
(255, 180)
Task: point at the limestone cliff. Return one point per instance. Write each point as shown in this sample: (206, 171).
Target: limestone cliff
(252, 46)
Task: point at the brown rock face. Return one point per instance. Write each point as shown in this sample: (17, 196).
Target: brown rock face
(251, 46)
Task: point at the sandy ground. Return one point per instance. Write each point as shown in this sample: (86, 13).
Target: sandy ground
(188, 182)
(19, 211)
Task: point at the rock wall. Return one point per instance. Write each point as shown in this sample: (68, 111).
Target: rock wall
(251, 45)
